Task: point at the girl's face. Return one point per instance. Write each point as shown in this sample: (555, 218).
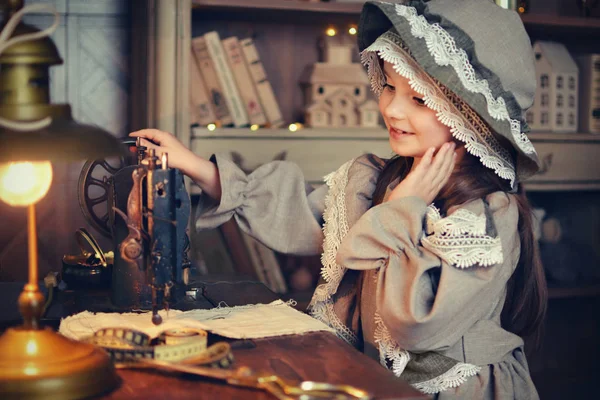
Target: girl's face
(412, 126)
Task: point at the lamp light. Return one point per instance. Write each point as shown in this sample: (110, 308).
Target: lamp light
(36, 362)
(23, 183)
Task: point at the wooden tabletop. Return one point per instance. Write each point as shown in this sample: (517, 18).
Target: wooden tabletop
(318, 356)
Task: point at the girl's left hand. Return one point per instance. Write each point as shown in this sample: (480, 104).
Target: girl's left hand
(429, 176)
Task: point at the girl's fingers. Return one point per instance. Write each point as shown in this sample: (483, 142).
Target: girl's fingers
(148, 144)
(152, 134)
(425, 163)
(448, 163)
(436, 171)
(444, 168)
(429, 176)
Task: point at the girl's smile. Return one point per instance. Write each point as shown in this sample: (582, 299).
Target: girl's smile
(398, 134)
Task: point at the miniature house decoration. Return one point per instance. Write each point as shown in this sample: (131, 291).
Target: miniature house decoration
(589, 77)
(337, 90)
(556, 98)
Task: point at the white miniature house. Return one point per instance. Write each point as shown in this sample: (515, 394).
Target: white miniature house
(589, 78)
(336, 90)
(556, 98)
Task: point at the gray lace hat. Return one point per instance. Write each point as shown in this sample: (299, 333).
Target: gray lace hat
(473, 62)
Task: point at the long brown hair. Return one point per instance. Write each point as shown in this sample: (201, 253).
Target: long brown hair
(525, 305)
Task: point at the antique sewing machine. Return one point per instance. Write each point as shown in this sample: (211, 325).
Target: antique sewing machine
(143, 206)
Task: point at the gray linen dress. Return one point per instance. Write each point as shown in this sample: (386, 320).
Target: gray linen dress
(426, 303)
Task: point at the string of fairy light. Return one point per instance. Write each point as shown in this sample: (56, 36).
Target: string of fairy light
(295, 126)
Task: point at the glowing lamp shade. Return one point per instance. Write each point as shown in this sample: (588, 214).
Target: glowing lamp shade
(24, 183)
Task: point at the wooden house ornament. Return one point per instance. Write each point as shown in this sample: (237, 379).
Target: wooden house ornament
(589, 78)
(369, 114)
(319, 113)
(337, 89)
(556, 98)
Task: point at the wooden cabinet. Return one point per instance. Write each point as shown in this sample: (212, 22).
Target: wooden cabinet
(317, 151)
(569, 161)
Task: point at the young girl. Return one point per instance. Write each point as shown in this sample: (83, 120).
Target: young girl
(429, 263)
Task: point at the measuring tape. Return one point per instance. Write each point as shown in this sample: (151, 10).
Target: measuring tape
(173, 345)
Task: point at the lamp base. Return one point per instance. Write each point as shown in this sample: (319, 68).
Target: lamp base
(41, 364)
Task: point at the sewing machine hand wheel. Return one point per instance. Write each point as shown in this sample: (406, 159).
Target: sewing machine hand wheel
(94, 186)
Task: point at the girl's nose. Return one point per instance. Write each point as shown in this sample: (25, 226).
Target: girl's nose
(396, 108)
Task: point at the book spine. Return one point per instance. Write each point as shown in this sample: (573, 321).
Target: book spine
(201, 110)
(251, 246)
(232, 96)
(242, 77)
(207, 69)
(238, 251)
(262, 84)
(272, 269)
(208, 245)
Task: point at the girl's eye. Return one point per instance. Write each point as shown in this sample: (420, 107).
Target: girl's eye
(419, 101)
(388, 86)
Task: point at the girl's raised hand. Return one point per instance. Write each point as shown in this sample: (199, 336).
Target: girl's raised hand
(201, 171)
(164, 142)
(429, 176)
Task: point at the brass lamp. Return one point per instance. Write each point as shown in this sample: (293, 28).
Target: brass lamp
(37, 362)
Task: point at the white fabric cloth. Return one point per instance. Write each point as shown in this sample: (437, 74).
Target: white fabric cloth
(242, 322)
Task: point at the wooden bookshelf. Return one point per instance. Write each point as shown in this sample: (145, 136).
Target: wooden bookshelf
(369, 133)
(569, 161)
(253, 7)
(556, 21)
(279, 5)
(279, 11)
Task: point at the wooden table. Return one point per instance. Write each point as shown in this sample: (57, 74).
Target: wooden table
(318, 356)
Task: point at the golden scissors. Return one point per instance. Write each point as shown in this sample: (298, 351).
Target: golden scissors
(246, 377)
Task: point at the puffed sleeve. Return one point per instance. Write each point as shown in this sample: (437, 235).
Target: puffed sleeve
(437, 276)
(272, 203)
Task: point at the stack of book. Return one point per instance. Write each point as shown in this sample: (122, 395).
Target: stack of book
(229, 86)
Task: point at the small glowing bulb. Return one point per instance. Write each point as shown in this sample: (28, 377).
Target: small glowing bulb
(521, 9)
(24, 183)
(254, 127)
(352, 30)
(31, 348)
(331, 32)
(211, 127)
(296, 126)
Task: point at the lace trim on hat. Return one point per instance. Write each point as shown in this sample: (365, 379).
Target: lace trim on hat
(335, 228)
(452, 378)
(460, 239)
(464, 123)
(443, 48)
